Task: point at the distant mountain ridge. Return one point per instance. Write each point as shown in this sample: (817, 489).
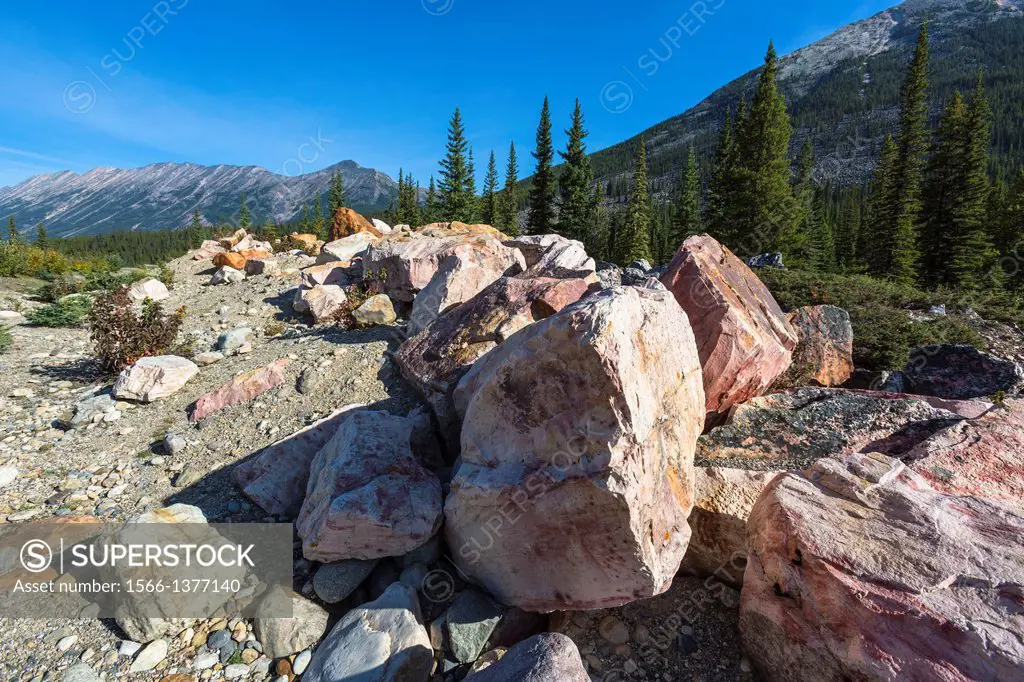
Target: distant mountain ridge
(843, 91)
(164, 195)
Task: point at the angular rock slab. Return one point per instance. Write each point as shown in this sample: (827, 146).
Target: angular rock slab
(153, 289)
(383, 641)
(980, 458)
(824, 355)
(324, 301)
(347, 222)
(368, 497)
(793, 429)
(153, 378)
(743, 337)
(241, 389)
(858, 570)
(276, 477)
(551, 255)
(286, 636)
(230, 259)
(547, 657)
(345, 249)
(960, 372)
(436, 359)
(375, 310)
(581, 429)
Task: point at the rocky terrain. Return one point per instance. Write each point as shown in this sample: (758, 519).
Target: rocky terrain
(503, 461)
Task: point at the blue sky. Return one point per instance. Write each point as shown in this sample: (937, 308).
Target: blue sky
(298, 86)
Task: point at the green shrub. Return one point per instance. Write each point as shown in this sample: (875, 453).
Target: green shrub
(69, 311)
(122, 333)
(6, 341)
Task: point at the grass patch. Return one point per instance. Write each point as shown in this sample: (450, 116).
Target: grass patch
(883, 331)
(6, 341)
(69, 311)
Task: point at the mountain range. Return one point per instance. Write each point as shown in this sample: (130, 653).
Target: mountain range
(842, 90)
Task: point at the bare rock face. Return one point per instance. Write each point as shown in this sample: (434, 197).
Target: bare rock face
(982, 458)
(744, 339)
(576, 475)
(460, 277)
(960, 372)
(241, 389)
(401, 267)
(824, 355)
(345, 249)
(793, 429)
(347, 222)
(276, 477)
(368, 496)
(153, 378)
(551, 255)
(436, 359)
(718, 543)
(859, 570)
(153, 289)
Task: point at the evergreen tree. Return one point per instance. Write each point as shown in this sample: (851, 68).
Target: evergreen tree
(541, 218)
(941, 194)
(474, 200)
(431, 212)
(820, 246)
(269, 231)
(901, 248)
(686, 220)
(575, 216)
(305, 226)
(636, 237)
(336, 194)
(764, 205)
(509, 218)
(490, 199)
(794, 244)
(195, 229)
(847, 232)
(1012, 233)
(597, 238)
(722, 189)
(12, 230)
(873, 246)
(42, 240)
(407, 203)
(244, 219)
(319, 224)
(456, 200)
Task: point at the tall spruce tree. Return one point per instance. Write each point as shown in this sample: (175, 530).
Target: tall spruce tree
(509, 218)
(336, 194)
(432, 209)
(636, 237)
(575, 214)
(765, 208)
(723, 187)
(942, 193)
(541, 219)
(42, 239)
(686, 220)
(490, 211)
(795, 242)
(474, 200)
(195, 229)
(244, 219)
(597, 238)
(456, 201)
(873, 245)
(847, 231)
(12, 230)
(901, 248)
(306, 225)
(319, 224)
(820, 246)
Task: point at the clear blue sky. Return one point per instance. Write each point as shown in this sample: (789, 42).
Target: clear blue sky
(121, 83)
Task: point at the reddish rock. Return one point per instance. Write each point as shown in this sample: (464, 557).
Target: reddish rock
(325, 302)
(435, 359)
(576, 473)
(332, 273)
(744, 338)
(230, 259)
(982, 457)
(824, 354)
(368, 496)
(207, 250)
(230, 242)
(276, 477)
(859, 570)
(718, 543)
(241, 389)
(347, 222)
(255, 254)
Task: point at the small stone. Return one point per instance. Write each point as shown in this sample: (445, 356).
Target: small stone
(80, 672)
(336, 581)
(249, 655)
(128, 648)
(67, 642)
(613, 630)
(234, 339)
(205, 660)
(151, 655)
(283, 668)
(174, 444)
(301, 662)
(7, 476)
(218, 639)
(470, 622)
(236, 671)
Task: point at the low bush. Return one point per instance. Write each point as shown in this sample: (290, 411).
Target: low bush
(5, 340)
(122, 333)
(884, 332)
(69, 311)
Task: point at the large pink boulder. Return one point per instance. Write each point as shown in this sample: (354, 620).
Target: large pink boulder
(576, 476)
(743, 337)
(436, 359)
(859, 570)
(239, 390)
(368, 496)
(983, 457)
(401, 266)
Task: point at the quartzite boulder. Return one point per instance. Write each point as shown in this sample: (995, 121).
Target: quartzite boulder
(582, 429)
(858, 570)
(551, 255)
(824, 355)
(793, 429)
(744, 339)
(241, 389)
(345, 249)
(375, 310)
(153, 378)
(230, 259)
(276, 477)
(982, 457)
(324, 302)
(960, 372)
(547, 657)
(227, 275)
(153, 289)
(347, 222)
(368, 496)
(285, 636)
(435, 359)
